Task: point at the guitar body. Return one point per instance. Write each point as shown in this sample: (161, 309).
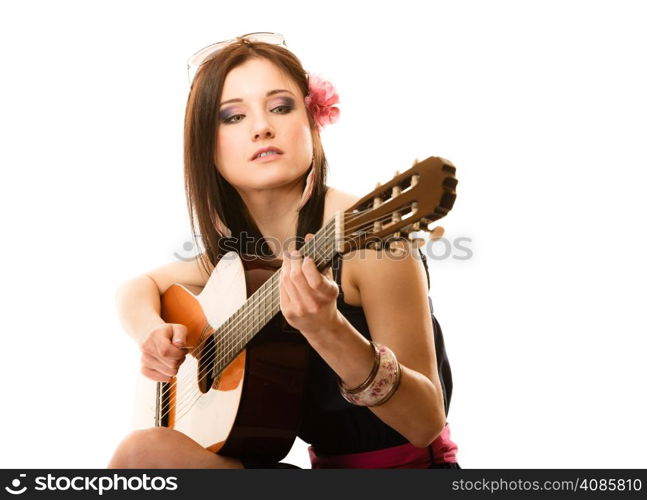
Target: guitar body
(253, 407)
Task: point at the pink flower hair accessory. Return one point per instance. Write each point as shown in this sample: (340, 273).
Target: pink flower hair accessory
(321, 100)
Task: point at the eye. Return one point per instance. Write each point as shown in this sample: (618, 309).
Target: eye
(283, 109)
(233, 119)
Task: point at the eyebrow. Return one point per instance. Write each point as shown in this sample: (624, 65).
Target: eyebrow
(270, 93)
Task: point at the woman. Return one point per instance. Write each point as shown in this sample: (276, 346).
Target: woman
(250, 97)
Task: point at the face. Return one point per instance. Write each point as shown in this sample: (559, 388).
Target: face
(262, 107)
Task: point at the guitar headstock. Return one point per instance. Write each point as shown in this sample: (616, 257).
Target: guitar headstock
(401, 208)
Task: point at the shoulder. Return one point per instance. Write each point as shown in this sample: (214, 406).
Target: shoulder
(386, 269)
(378, 276)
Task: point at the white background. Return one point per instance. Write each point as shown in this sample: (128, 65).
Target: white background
(540, 105)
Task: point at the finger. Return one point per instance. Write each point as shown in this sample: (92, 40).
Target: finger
(286, 284)
(327, 290)
(302, 294)
(302, 297)
(296, 274)
(311, 274)
(309, 236)
(179, 335)
(166, 350)
(166, 368)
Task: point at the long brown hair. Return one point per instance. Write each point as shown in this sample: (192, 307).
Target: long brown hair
(208, 193)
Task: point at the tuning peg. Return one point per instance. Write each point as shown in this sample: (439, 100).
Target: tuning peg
(437, 233)
(425, 222)
(397, 172)
(415, 162)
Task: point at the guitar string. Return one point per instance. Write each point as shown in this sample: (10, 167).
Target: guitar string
(237, 318)
(228, 342)
(235, 321)
(190, 399)
(231, 343)
(181, 411)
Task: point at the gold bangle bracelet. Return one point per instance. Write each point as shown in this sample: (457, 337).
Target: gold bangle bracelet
(371, 376)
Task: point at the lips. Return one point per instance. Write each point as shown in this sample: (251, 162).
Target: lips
(264, 150)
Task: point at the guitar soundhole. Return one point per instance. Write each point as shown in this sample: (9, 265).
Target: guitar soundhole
(206, 359)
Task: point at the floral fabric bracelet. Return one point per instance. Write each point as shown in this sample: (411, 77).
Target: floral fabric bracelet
(377, 390)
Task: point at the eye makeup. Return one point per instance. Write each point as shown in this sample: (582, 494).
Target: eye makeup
(286, 102)
(230, 114)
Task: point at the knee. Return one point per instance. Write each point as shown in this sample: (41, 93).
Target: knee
(136, 449)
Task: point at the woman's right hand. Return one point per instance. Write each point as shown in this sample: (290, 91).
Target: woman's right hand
(163, 351)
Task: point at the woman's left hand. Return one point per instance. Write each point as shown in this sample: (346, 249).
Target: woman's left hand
(308, 298)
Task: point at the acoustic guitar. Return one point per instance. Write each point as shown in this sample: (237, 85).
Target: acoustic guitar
(239, 390)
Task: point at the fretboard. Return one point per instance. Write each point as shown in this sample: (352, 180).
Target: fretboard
(233, 335)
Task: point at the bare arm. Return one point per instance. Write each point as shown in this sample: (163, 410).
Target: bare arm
(394, 298)
(138, 306)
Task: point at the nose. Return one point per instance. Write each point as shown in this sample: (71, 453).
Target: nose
(263, 131)
(261, 126)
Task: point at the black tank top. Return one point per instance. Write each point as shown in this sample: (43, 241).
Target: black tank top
(332, 425)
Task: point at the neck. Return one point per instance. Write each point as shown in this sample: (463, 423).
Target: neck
(275, 213)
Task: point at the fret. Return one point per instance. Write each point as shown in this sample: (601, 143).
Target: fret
(264, 303)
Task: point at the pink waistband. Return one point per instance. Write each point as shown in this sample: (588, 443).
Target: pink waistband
(404, 456)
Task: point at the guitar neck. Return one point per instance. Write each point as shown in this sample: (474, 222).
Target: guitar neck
(406, 204)
(264, 303)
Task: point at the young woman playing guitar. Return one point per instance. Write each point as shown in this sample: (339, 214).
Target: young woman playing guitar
(255, 172)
